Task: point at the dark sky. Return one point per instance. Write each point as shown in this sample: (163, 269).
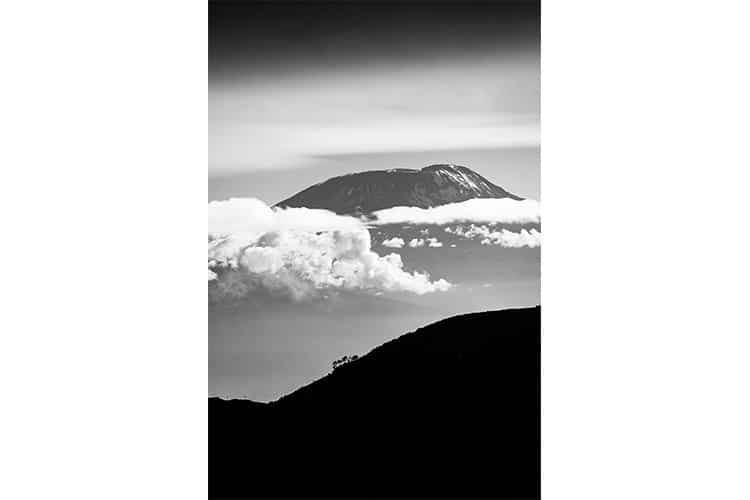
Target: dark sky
(291, 36)
(295, 85)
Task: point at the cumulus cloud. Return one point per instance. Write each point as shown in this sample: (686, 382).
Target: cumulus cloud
(433, 243)
(480, 210)
(503, 237)
(298, 253)
(416, 242)
(251, 216)
(393, 243)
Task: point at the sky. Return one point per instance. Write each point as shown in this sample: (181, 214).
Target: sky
(323, 89)
(301, 92)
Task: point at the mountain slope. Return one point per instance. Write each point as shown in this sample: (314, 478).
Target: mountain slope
(450, 410)
(366, 192)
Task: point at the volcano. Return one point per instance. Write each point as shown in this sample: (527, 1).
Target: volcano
(365, 192)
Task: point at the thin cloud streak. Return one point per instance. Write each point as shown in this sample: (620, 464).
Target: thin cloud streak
(488, 210)
(490, 101)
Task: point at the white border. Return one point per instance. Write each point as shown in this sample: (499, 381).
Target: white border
(104, 318)
(644, 189)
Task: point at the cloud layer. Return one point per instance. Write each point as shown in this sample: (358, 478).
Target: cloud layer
(298, 253)
(480, 210)
(264, 122)
(250, 216)
(503, 237)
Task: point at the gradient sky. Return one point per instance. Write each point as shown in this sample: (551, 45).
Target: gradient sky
(334, 88)
(300, 92)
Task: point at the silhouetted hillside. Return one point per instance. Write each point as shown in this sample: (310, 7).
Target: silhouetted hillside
(450, 410)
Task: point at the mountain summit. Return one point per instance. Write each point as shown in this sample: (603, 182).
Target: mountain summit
(366, 192)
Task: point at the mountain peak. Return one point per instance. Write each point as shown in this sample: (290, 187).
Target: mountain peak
(366, 192)
(443, 166)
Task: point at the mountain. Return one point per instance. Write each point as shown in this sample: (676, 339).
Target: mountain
(449, 410)
(366, 192)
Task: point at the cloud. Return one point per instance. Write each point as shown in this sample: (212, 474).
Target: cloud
(420, 242)
(503, 237)
(393, 243)
(263, 122)
(298, 253)
(487, 210)
(251, 216)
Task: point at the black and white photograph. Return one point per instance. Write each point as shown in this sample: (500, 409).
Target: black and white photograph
(380, 319)
(374, 242)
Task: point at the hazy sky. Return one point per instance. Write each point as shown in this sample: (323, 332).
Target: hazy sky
(295, 86)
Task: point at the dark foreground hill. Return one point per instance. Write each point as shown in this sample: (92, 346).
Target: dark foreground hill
(450, 410)
(365, 192)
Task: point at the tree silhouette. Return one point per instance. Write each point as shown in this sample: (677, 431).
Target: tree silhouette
(344, 360)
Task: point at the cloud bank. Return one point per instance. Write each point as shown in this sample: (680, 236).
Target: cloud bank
(480, 210)
(250, 216)
(298, 253)
(503, 237)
